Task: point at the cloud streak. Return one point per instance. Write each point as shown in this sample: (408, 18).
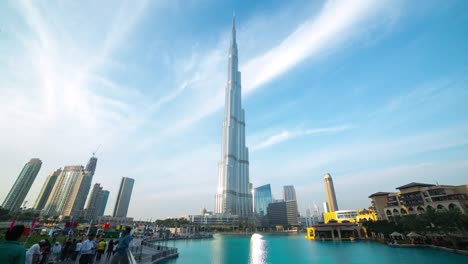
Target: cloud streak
(288, 135)
(336, 22)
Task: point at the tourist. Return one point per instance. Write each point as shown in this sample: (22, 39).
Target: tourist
(110, 249)
(66, 248)
(77, 250)
(100, 250)
(12, 251)
(45, 247)
(56, 252)
(87, 250)
(33, 254)
(122, 248)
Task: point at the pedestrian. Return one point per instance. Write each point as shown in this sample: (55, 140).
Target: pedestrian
(56, 252)
(110, 249)
(12, 251)
(87, 250)
(66, 247)
(33, 254)
(121, 255)
(100, 250)
(77, 250)
(46, 247)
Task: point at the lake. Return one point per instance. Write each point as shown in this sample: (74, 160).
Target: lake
(272, 249)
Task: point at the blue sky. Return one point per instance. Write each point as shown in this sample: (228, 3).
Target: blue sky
(373, 92)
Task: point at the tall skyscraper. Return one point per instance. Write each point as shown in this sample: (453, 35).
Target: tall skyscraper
(123, 198)
(330, 192)
(22, 185)
(95, 202)
(234, 194)
(65, 191)
(46, 190)
(262, 198)
(105, 197)
(289, 193)
(91, 166)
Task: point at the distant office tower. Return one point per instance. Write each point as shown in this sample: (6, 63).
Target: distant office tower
(95, 202)
(91, 166)
(22, 185)
(71, 189)
(234, 194)
(282, 213)
(330, 191)
(46, 190)
(325, 207)
(289, 193)
(85, 187)
(262, 198)
(105, 197)
(123, 198)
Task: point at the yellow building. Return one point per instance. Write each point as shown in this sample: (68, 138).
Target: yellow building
(336, 231)
(351, 216)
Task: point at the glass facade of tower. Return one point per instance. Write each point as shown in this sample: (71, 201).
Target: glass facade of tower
(262, 198)
(21, 187)
(123, 198)
(289, 193)
(65, 190)
(46, 190)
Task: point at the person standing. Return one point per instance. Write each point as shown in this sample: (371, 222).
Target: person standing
(12, 251)
(77, 250)
(100, 250)
(121, 255)
(33, 254)
(56, 252)
(87, 250)
(110, 249)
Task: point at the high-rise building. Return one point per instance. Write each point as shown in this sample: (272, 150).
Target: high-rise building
(95, 202)
(123, 198)
(71, 189)
(262, 198)
(330, 192)
(46, 190)
(64, 194)
(22, 185)
(91, 166)
(289, 193)
(234, 194)
(105, 197)
(282, 213)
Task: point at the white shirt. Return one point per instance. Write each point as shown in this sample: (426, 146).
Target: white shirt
(78, 246)
(87, 247)
(33, 250)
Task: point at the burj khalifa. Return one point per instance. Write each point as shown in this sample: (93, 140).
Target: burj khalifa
(234, 194)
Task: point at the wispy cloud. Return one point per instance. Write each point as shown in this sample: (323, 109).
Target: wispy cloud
(290, 134)
(337, 21)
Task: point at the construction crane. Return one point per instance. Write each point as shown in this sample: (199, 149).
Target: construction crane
(94, 152)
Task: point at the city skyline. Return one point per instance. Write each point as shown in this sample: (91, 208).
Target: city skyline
(370, 91)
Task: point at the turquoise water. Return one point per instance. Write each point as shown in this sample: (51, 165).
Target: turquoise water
(272, 249)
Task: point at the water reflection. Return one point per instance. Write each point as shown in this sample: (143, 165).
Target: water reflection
(257, 249)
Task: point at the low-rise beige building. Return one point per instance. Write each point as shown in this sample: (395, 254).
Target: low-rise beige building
(416, 198)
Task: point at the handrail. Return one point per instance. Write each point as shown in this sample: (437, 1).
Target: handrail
(131, 258)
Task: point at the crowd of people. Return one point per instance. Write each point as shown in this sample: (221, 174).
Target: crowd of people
(89, 251)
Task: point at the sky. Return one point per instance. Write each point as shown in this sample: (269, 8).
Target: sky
(372, 92)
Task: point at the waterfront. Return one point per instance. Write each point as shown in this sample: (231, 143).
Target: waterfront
(273, 249)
